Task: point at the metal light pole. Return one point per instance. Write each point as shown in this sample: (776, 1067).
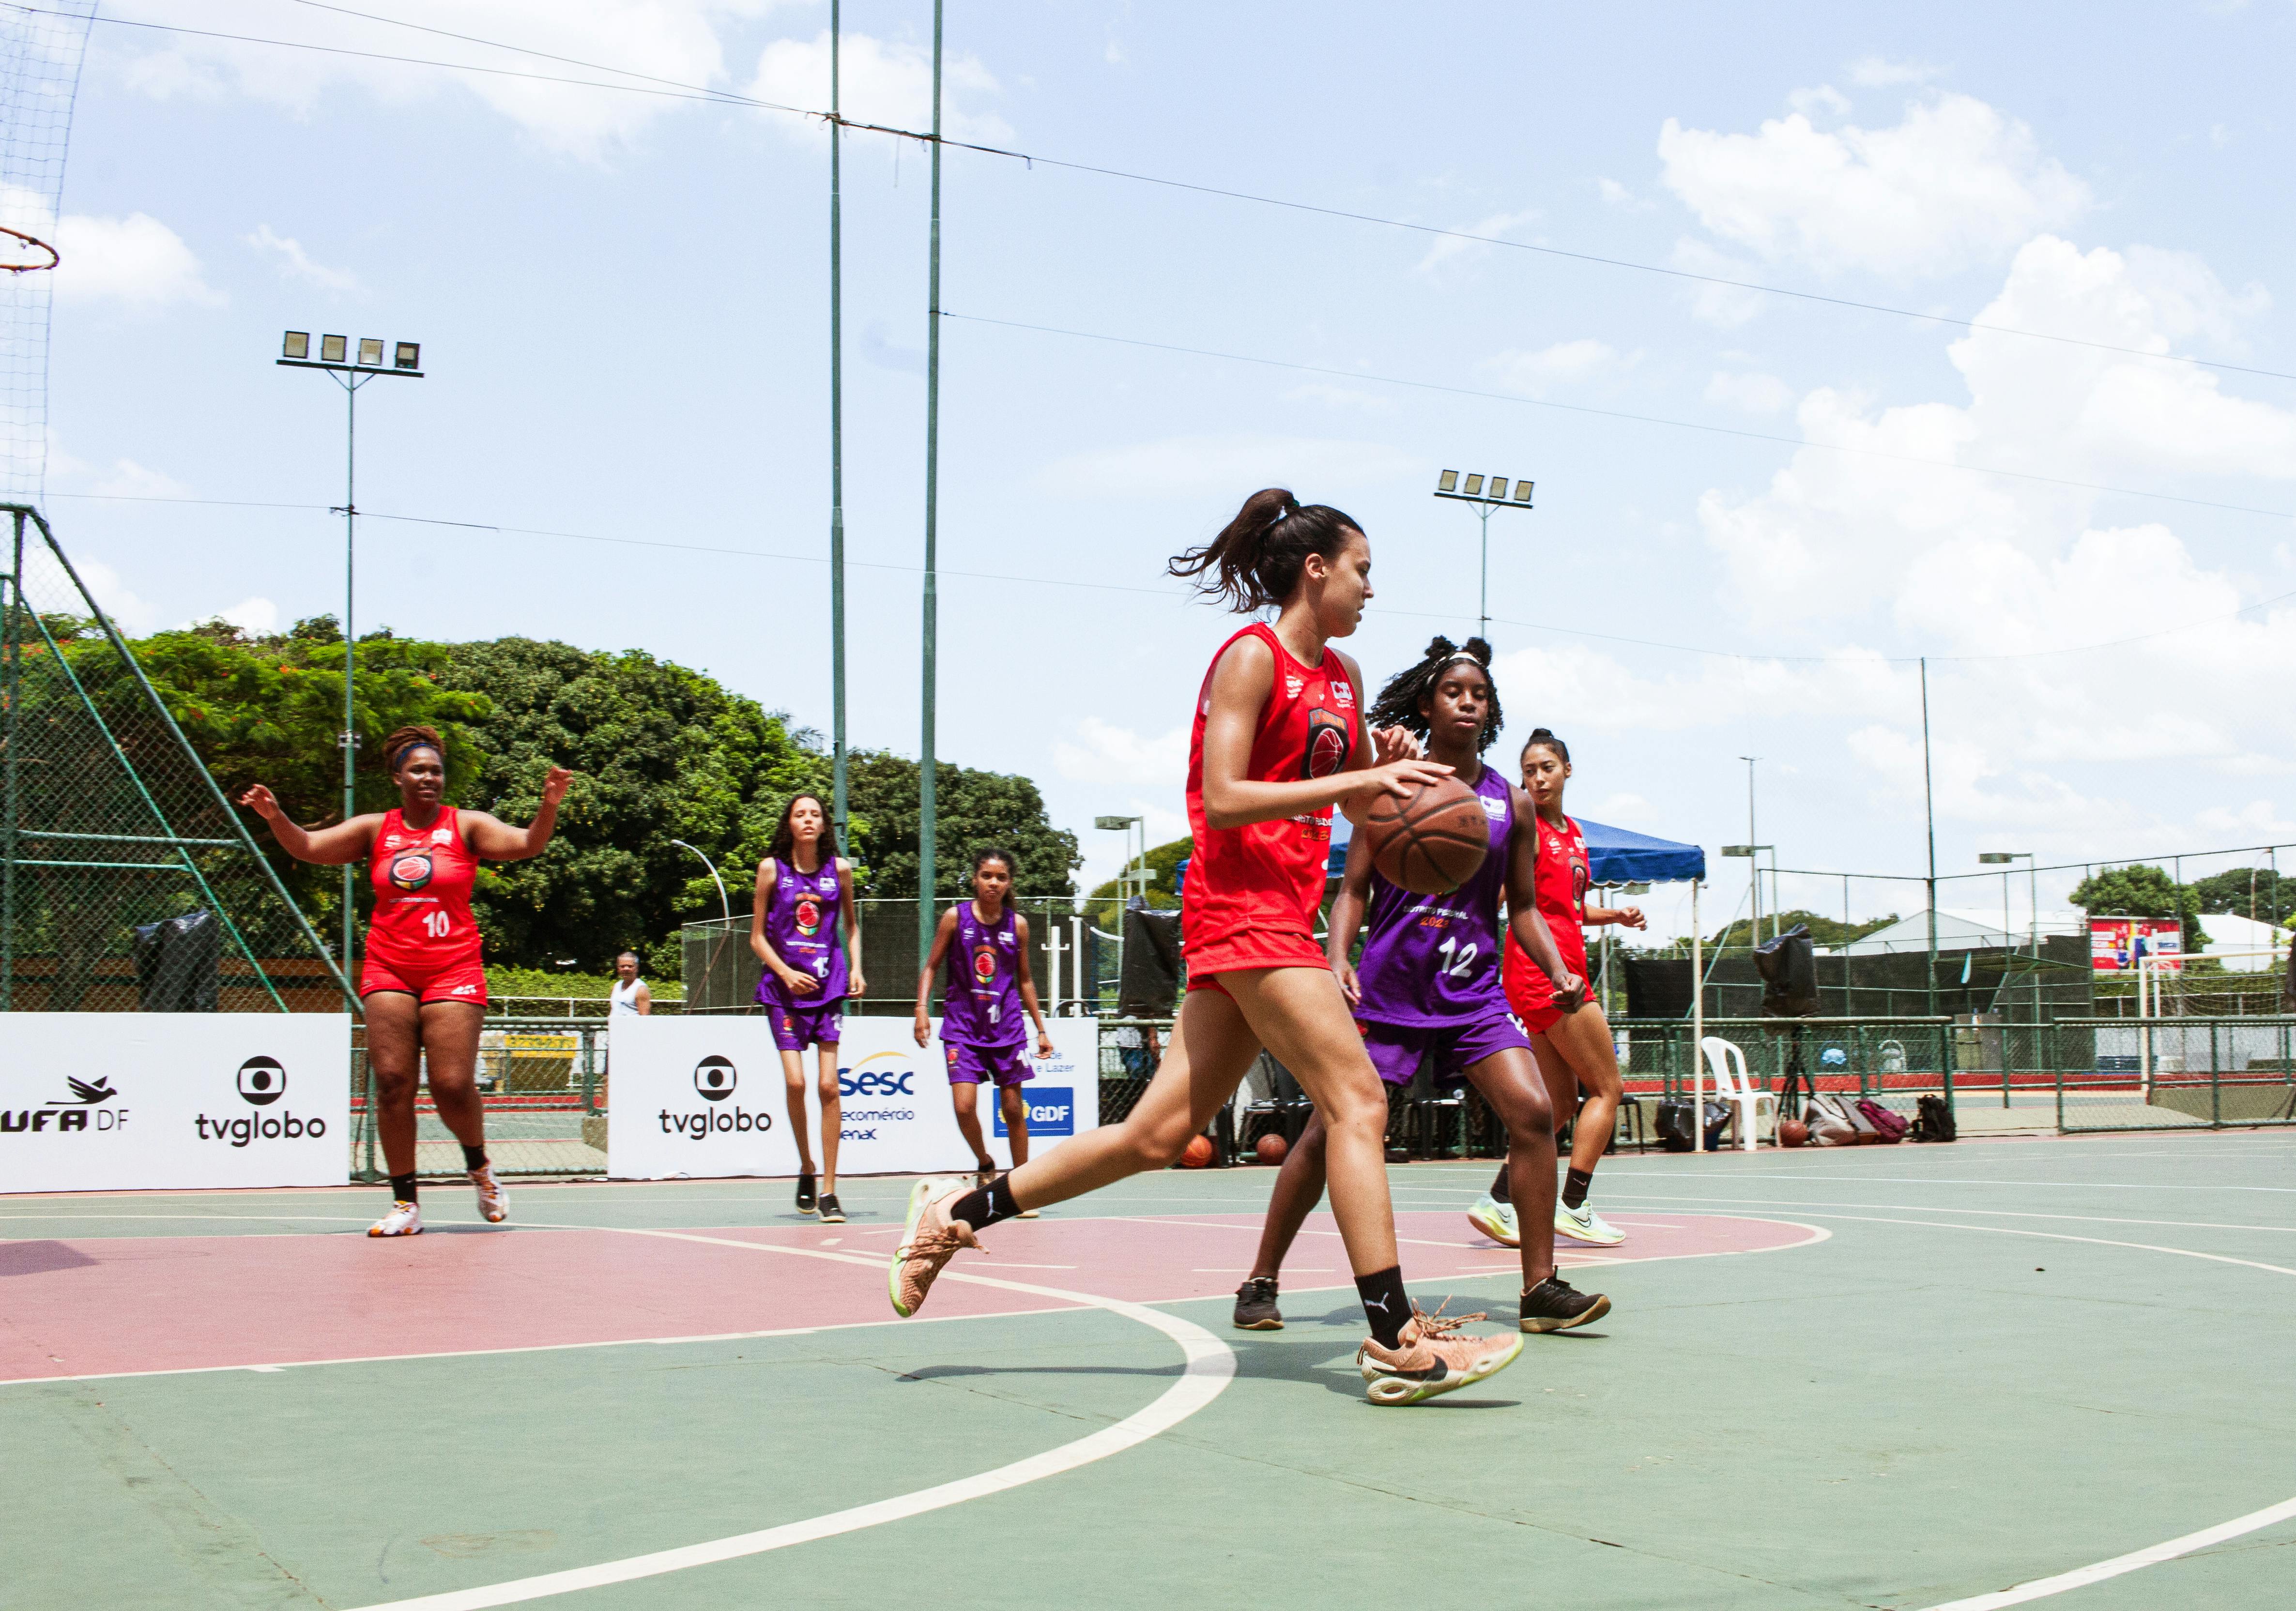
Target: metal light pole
(1928, 818)
(1485, 499)
(1125, 825)
(1752, 853)
(836, 449)
(334, 359)
(926, 803)
(1753, 869)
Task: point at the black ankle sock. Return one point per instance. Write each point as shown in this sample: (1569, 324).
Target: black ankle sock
(474, 1157)
(986, 1205)
(1575, 1186)
(402, 1188)
(1386, 1305)
(1499, 1187)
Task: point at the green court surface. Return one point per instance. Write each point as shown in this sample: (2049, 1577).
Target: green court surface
(1889, 1376)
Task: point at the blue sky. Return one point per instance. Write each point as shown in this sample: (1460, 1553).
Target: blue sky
(622, 302)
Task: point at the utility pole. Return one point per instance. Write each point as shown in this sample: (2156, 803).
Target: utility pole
(1929, 817)
(836, 451)
(1753, 864)
(926, 804)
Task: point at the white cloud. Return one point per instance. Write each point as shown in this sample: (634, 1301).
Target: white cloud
(672, 39)
(1102, 752)
(1226, 467)
(253, 617)
(1564, 364)
(295, 263)
(48, 586)
(1954, 185)
(135, 261)
(1456, 251)
(129, 480)
(1725, 306)
(879, 81)
(1755, 393)
(1615, 194)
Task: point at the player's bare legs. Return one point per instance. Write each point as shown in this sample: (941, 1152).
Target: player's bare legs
(832, 1116)
(965, 1096)
(1015, 1103)
(1577, 1053)
(801, 1131)
(1509, 1081)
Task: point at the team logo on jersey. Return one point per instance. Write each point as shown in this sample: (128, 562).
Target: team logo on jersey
(1327, 745)
(1578, 880)
(984, 965)
(1343, 692)
(411, 871)
(442, 835)
(1493, 807)
(1291, 686)
(808, 915)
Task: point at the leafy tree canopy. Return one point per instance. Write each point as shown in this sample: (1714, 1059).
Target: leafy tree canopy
(1825, 933)
(2141, 891)
(2244, 887)
(1164, 893)
(975, 811)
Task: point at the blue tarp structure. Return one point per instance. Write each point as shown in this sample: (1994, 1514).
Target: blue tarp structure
(1614, 855)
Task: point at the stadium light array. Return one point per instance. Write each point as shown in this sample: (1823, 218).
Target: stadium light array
(1486, 493)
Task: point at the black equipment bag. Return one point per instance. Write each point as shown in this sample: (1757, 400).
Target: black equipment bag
(1933, 1120)
(1789, 970)
(1152, 964)
(178, 962)
(1674, 1134)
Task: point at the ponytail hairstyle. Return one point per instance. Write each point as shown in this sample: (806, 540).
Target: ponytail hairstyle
(786, 838)
(1398, 703)
(1257, 559)
(1543, 738)
(395, 748)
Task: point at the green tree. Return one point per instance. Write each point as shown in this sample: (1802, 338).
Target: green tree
(660, 753)
(2141, 891)
(975, 811)
(1163, 885)
(266, 709)
(1825, 933)
(2244, 892)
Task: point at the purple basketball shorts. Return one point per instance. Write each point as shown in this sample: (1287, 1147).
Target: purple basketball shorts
(1396, 1048)
(795, 1028)
(972, 1065)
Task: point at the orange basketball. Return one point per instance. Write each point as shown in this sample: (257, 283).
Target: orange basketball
(1272, 1147)
(1793, 1133)
(1199, 1152)
(1433, 841)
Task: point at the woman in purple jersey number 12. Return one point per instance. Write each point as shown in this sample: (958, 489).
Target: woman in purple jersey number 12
(985, 945)
(805, 900)
(1427, 985)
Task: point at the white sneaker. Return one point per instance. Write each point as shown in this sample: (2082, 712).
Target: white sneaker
(1583, 1224)
(404, 1219)
(494, 1202)
(1495, 1220)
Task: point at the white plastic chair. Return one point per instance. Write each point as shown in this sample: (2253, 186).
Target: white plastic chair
(1728, 1066)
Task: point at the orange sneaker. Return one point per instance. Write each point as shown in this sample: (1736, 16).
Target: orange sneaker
(929, 1240)
(1428, 1360)
(494, 1202)
(404, 1219)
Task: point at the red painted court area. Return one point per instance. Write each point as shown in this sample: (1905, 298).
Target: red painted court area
(109, 1305)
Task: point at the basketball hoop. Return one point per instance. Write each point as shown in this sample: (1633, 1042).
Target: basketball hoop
(17, 245)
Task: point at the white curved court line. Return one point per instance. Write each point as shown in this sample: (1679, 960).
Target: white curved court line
(1211, 1366)
(2082, 1576)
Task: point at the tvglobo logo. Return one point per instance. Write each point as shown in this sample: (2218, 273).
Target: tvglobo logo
(261, 1081)
(715, 1078)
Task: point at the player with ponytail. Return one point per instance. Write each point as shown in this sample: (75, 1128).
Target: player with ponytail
(423, 985)
(1279, 741)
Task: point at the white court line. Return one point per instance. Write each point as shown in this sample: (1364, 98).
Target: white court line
(2152, 1555)
(1997, 1214)
(1211, 1366)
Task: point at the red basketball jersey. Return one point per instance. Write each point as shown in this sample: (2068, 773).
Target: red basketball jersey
(1561, 884)
(1270, 875)
(422, 879)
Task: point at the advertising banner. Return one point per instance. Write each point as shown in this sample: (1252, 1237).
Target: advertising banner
(703, 1096)
(108, 1101)
(2115, 943)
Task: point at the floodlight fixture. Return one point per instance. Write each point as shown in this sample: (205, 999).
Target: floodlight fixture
(331, 349)
(1635, 889)
(1523, 491)
(370, 350)
(297, 346)
(1474, 487)
(1498, 486)
(1741, 851)
(1113, 824)
(1449, 481)
(2002, 858)
(407, 355)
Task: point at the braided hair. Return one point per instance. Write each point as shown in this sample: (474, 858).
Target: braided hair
(1398, 703)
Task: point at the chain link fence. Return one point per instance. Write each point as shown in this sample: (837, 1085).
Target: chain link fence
(544, 1082)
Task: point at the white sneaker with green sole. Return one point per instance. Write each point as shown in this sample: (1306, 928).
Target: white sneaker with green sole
(1583, 1224)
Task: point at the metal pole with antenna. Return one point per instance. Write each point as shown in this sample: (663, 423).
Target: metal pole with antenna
(1928, 818)
(927, 805)
(836, 448)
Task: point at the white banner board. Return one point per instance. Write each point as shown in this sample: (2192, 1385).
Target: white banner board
(108, 1101)
(704, 1096)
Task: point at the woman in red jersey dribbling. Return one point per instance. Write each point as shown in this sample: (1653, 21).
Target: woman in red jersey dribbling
(1279, 741)
(423, 985)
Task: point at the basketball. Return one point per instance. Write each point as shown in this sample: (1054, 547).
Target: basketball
(1793, 1133)
(1272, 1147)
(1199, 1152)
(1431, 842)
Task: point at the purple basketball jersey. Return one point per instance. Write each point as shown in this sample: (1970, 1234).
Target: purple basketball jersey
(1430, 960)
(981, 995)
(801, 923)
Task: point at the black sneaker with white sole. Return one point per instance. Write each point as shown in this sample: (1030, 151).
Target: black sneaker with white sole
(1555, 1305)
(805, 1193)
(830, 1213)
(1254, 1306)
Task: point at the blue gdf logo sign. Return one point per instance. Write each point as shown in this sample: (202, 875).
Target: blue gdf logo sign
(1052, 1110)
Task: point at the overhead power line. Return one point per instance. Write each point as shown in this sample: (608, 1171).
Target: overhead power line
(676, 89)
(1178, 594)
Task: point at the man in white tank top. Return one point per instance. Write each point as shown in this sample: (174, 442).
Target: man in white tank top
(631, 997)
